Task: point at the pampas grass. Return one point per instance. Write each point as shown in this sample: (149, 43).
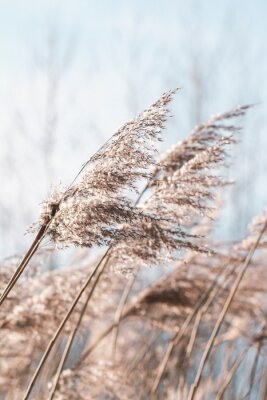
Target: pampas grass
(93, 331)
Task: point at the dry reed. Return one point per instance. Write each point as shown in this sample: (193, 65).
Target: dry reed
(212, 299)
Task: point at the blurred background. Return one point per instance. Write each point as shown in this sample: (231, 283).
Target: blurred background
(71, 72)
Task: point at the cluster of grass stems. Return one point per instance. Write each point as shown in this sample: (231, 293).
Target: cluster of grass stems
(193, 326)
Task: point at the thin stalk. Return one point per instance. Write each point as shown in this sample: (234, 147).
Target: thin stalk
(258, 380)
(254, 368)
(262, 394)
(60, 328)
(74, 331)
(173, 342)
(140, 355)
(230, 375)
(253, 372)
(213, 295)
(119, 311)
(223, 314)
(34, 246)
(193, 335)
(203, 303)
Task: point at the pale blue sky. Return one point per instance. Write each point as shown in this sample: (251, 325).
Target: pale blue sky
(126, 53)
(24, 22)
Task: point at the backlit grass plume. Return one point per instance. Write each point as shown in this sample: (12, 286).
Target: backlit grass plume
(183, 188)
(91, 210)
(202, 137)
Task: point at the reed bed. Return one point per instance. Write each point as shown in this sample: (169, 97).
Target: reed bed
(165, 311)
